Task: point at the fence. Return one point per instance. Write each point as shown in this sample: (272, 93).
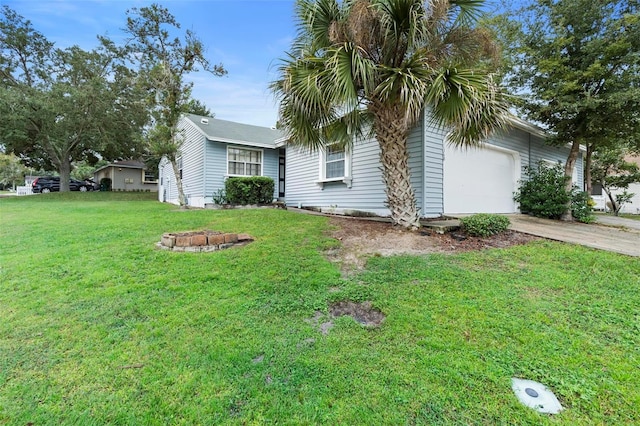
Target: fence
(24, 190)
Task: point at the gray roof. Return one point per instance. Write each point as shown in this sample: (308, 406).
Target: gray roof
(238, 133)
(129, 164)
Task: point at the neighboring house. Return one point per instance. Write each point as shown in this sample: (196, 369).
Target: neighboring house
(214, 150)
(446, 180)
(127, 176)
(601, 199)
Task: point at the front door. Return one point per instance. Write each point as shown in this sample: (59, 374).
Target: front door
(281, 172)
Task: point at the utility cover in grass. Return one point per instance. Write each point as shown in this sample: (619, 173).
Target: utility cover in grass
(536, 395)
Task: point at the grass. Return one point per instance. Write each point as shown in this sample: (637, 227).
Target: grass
(99, 327)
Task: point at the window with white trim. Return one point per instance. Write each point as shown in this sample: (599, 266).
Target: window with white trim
(334, 162)
(244, 162)
(335, 165)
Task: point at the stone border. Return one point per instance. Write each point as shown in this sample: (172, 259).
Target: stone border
(201, 241)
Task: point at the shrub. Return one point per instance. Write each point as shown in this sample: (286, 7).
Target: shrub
(582, 207)
(544, 194)
(220, 196)
(249, 190)
(485, 224)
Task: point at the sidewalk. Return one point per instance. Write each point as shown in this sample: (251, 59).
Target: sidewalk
(615, 239)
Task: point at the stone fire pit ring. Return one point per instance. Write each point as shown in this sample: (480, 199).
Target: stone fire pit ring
(202, 241)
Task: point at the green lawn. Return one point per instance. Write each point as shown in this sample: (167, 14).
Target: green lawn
(99, 327)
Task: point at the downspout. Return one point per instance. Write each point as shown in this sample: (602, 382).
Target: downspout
(204, 171)
(529, 150)
(423, 168)
(444, 141)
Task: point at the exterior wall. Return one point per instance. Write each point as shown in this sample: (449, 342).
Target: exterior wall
(215, 167)
(167, 189)
(634, 206)
(204, 169)
(631, 208)
(433, 160)
(127, 179)
(426, 149)
(192, 154)
(366, 192)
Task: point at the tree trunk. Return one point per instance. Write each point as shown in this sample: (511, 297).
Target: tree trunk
(568, 173)
(587, 170)
(65, 173)
(391, 132)
(614, 206)
(176, 172)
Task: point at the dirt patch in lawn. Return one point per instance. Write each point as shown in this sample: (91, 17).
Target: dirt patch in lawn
(361, 239)
(363, 312)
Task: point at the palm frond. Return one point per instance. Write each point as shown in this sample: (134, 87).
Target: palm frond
(469, 103)
(466, 12)
(315, 18)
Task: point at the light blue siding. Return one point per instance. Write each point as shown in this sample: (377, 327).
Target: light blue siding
(426, 150)
(415, 146)
(433, 160)
(192, 153)
(216, 166)
(204, 167)
(366, 192)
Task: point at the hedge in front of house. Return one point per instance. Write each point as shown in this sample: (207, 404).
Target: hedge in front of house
(484, 224)
(249, 190)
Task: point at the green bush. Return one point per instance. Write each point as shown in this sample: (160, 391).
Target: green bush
(582, 207)
(220, 196)
(544, 194)
(485, 224)
(249, 190)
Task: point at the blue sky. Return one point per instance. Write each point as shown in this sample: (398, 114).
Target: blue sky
(247, 36)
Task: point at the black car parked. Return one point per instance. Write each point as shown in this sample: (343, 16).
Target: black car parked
(48, 184)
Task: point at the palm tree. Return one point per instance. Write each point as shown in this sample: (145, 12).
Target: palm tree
(369, 68)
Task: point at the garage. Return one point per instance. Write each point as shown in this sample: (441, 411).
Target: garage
(480, 180)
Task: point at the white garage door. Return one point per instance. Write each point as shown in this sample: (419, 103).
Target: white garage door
(480, 180)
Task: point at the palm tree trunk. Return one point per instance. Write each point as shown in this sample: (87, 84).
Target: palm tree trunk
(391, 131)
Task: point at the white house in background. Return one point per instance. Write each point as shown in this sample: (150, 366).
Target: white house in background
(601, 199)
(446, 180)
(216, 149)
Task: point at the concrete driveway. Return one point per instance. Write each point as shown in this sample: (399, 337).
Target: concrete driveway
(624, 238)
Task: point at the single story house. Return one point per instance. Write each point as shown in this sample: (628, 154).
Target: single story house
(446, 180)
(128, 175)
(216, 149)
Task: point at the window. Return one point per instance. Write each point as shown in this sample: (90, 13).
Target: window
(179, 164)
(150, 177)
(244, 162)
(334, 162)
(596, 188)
(335, 165)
